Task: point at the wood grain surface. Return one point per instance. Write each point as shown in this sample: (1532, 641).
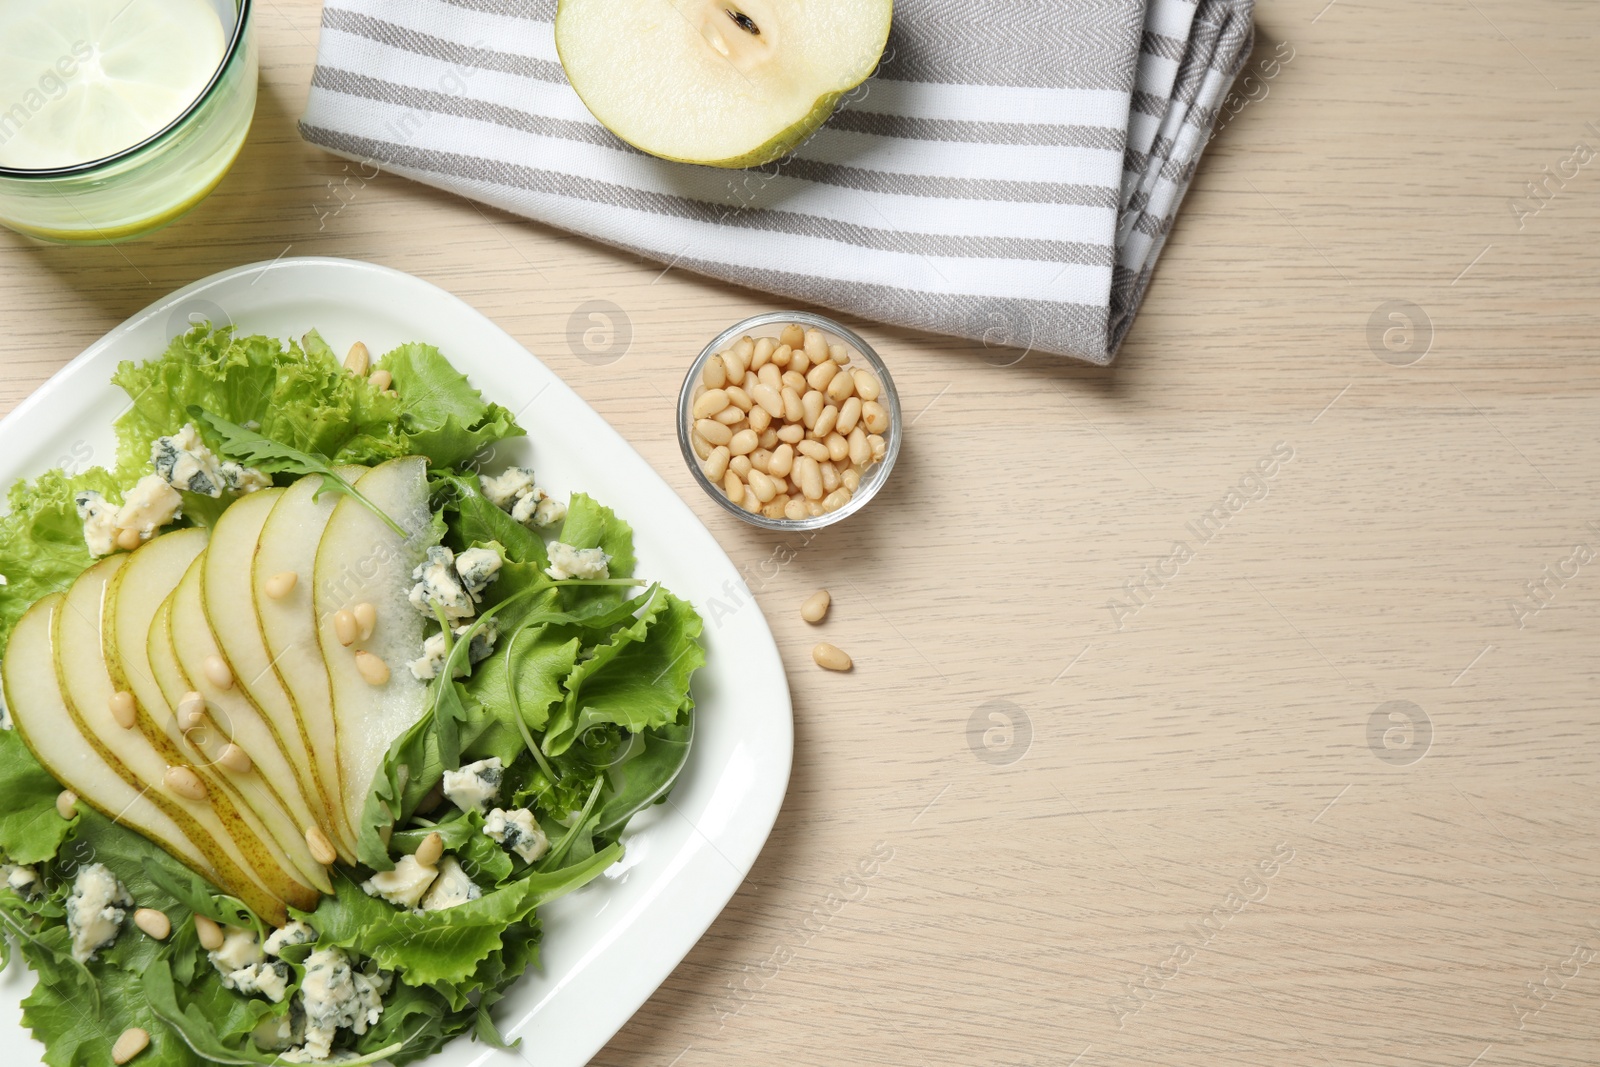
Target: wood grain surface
(1237, 704)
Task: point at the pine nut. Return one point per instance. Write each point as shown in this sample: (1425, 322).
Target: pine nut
(831, 658)
(867, 387)
(280, 585)
(128, 540)
(321, 848)
(796, 381)
(791, 433)
(759, 418)
(825, 422)
(838, 447)
(768, 438)
(874, 417)
(740, 465)
(851, 478)
(123, 709)
(209, 932)
(782, 355)
(750, 503)
(836, 499)
(800, 362)
(66, 804)
(839, 354)
(759, 460)
(744, 348)
(880, 447)
(732, 486)
(773, 509)
(815, 449)
(762, 487)
(715, 375)
(794, 509)
(840, 388)
(366, 620)
(849, 415)
(217, 672)
(814, 508)
(234, 759)
(809, 476)
(735, 366)
(729, 416)
(762, 353)
(820, 375)
(344, 627)
(815, 609)
(714, 432)
(782, 461)
(860, 451)
(190, 710)
(184, 782)
(811, 405)
(701, 446)
(429, 852)
(816, 346)
(133, 1040)
(710, 402)
(830, 476)
(750, 382)
(738, 397)
(358, 360)
(373, 670)
(793, 335)
(789, 403)
(771, 377)
(770, 399)
(381, 379)
(744, 442)
(153, 922)
(717, 465)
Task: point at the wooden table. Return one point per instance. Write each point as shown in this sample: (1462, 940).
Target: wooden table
(1321, 790)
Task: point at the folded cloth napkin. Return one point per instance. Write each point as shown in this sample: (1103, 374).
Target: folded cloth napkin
(1009, 174)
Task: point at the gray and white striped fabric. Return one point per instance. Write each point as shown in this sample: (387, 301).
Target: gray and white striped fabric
(1009, 175)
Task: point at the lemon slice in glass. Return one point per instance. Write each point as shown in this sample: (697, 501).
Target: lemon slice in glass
(84, 79)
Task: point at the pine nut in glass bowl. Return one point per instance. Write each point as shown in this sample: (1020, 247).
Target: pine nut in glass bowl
(757, 412)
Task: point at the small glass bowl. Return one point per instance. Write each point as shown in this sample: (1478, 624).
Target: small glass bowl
(872, 478)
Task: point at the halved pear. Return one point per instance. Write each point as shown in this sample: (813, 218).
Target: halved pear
(245, 863)
(40, 715)
(726, 83)
(139, 611)
(288, 545)
(361, 560)
(229, 598)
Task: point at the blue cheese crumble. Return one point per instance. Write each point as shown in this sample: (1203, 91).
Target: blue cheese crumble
(183, 461)
(334, 996)
(99, 517)
(295, 933)
(245, 969)
(21, 879)
(452, 887)
(405, 885)
(148, 506)
(427, 667)
(514, 491)
(569, 562)
(477, 567)
(95, 910)
(517, 831)
(474, 786)
(439, 584)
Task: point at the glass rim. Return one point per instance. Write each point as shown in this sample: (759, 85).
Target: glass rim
(727, 337)
(75, 170)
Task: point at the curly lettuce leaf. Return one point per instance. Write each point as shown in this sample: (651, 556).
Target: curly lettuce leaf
(442, 416)
(30, 828)
(41, 539)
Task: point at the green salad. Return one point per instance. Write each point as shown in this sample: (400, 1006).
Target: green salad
(312, 701)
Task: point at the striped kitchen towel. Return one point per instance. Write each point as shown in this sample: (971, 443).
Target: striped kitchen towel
(1009, 175)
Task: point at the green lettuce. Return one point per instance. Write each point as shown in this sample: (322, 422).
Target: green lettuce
(41, 539)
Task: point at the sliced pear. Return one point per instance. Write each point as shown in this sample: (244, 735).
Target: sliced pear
(40, 715)
(135, 599)
(142, 755)
(288, 545)
(361, 560)
(727, 83)
(228, 597)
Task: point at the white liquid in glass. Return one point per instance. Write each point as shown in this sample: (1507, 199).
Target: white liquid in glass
(84, 79)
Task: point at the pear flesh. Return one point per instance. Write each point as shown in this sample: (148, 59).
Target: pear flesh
(727, 84)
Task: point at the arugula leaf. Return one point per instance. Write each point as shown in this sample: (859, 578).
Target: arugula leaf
(441, 415)
(30, 828)
(647, 776)
(477, 520)
(265, 454)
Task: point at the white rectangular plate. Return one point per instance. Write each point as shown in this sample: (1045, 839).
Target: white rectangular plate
(607, 947)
